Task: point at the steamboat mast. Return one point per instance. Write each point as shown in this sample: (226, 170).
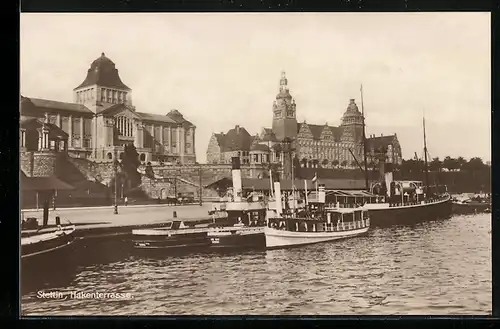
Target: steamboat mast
(426, 170)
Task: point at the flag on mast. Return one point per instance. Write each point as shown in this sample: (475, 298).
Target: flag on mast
(315, 178)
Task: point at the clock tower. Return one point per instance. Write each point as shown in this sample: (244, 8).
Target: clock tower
(284, 112)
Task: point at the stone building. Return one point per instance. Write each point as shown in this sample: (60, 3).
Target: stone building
(101, 120)
(314, 145)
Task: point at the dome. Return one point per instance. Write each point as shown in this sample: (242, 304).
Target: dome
(102, 61)
(352, 110)
(103, 73)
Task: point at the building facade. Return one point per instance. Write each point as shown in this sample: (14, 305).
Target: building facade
(314, 145)
(101, 120)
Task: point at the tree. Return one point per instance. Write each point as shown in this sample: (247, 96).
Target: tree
(130, 163)
(461, 162)
(450, 163)
(435, 165)
(475, 164)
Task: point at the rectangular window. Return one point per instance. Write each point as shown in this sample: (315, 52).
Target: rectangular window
(76, 126)
(65, 124)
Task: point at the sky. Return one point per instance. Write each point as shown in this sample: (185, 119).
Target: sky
(221, 70)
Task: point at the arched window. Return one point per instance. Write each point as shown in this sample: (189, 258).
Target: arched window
(142, 157)
(110, 156)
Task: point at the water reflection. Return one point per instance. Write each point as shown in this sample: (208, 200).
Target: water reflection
(441, 267)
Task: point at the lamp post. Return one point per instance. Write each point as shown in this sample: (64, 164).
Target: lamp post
(115, 167)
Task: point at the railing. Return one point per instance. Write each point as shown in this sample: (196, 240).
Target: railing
(391, 204)
(330, 227)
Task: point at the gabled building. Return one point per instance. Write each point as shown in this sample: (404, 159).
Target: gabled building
(102, 119)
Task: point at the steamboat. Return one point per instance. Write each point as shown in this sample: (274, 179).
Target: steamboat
(246, 217)
(313, 224)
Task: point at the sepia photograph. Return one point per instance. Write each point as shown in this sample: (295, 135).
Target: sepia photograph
(255, 164)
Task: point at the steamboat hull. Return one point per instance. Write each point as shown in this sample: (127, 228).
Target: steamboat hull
(277, 239)
(242, 239)
(470, 208)
(410, 214)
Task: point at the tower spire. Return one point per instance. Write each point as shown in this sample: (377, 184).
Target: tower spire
(283, 81)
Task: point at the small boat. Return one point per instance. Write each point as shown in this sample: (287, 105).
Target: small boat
(314, 224)
(471, 206)
(174, 235)
(38, 243)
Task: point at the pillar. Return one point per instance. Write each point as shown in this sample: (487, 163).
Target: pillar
(59, 123)
(192, 140)
(179, 141)
(40, 139)
(153, 139)
(169, 140)
(81, 132)
(161, 136)
(22, 138)
(136, 134)
(70, 131)
(182, 143)
(45, 138)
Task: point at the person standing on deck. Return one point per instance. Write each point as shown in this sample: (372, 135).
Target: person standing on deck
(126, 201)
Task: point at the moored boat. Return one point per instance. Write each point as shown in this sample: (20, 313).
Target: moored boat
(246, 217)
(470, 206)
(314, 224)
(39, 243)
(174, 235)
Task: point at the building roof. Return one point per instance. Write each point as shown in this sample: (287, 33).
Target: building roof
(155, 117)
(103, 73)
(268, 135)
(177, 116)
(39, 104)
(54, 131)
(236, 139)
(380, 141)
(317, 130)
(260, 147)
(42, 183)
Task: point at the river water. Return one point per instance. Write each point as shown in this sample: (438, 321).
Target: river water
(441, 267)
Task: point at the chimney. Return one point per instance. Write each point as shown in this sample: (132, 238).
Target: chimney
(381, 135)
(351, 101)
(237, 127)
(236, 174)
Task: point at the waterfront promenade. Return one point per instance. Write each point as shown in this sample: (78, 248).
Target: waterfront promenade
(103, 219)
